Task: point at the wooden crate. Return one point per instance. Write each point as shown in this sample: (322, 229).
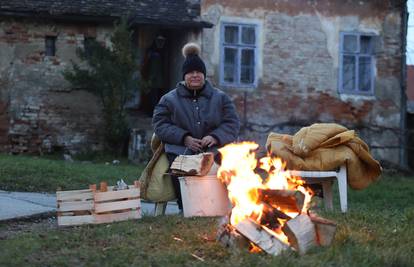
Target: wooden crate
(90, 206)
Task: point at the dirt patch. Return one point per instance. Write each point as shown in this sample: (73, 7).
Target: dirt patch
(11, 228)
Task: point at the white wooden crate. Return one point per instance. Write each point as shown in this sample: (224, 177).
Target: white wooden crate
(90, 206)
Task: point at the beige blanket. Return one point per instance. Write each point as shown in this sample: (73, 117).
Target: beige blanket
(327, 146)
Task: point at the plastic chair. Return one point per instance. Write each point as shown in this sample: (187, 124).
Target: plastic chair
(326, 178)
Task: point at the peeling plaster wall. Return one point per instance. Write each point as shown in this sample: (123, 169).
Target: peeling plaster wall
(40, 112)
(299, 61)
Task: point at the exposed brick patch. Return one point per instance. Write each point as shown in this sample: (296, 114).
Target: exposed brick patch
(44, 113)
(34, 58)
(300, 108)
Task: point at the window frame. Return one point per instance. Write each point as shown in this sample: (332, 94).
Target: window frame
(357, 55)
(239, 47)
(53, 48)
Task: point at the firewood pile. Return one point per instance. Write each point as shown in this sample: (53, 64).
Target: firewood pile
(193, 165)
(303, 233)
(270, 214)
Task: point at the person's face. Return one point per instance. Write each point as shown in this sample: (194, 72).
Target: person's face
(194, 80)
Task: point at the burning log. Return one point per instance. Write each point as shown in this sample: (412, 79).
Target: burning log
(229, 237)
(290, 200)
(199, 164)
(270, 216)
(325, 230)
(261, 237)
(301, 233)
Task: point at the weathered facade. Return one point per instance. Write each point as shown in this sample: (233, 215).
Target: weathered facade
(39, 111)
(286, 64)
(289, 64)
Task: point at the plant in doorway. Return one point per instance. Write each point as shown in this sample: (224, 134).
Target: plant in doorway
(110, 72)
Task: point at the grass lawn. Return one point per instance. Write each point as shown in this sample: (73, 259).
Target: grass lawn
(35, 174)
(378, 230)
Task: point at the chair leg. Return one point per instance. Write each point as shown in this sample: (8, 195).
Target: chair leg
(160, 208)
(327, 195)
(343, 190)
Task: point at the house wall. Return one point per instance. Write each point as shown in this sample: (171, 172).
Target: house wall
(39, 110)
(298, 67)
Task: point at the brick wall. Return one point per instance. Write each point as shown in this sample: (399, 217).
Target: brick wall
(39, 110)
(298, 67)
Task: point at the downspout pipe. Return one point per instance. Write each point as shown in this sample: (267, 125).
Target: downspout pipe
(403, 108)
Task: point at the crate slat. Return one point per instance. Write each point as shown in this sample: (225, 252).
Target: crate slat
(88, 194)
(114, 195)
(115, 217)
(75, 220)
(70, 192)
(75, 205)
(117, 205)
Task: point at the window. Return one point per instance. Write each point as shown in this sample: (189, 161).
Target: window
(88, 43)
(238, 55)
(50, 45)
(356, 69)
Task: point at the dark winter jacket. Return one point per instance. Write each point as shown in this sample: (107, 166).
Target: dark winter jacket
(180, 113)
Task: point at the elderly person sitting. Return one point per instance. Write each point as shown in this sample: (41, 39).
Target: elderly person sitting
(194, 117)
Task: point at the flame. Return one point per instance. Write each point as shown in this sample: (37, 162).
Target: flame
(254, 248)
(237, 171)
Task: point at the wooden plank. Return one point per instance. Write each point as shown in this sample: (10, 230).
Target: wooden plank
(115, 217)
(75, 220)
(301, 233)
(270, 216)
(286, 200)
(75, 196)
(114, 195)
(261, 237)
(199, 164)
(71, 192)
(230, 237)
(325, 230)
(117, 205)
(75, 205)
(103, 186)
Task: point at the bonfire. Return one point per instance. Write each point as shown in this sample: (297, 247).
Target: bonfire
(270, 210)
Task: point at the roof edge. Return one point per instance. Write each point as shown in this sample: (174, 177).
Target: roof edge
(107, 19)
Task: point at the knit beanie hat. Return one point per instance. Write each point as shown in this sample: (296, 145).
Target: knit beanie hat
(192, 60)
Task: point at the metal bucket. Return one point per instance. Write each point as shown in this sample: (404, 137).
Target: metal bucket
(204, 196)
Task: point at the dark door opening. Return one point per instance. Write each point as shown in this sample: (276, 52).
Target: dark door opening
(154, 73)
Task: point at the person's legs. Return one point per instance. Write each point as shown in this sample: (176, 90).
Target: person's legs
(175, 182)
